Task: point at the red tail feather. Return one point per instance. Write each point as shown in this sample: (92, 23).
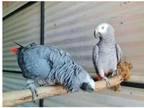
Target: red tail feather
(14, 50)
(97, 78)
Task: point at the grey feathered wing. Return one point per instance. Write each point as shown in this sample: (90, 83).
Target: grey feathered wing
(118, 53)
(95, 57)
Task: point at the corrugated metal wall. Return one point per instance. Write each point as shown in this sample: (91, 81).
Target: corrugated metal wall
(22, 27)
(11, 6)
(70, 26)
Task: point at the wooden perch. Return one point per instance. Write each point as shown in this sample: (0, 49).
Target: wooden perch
(22, 96)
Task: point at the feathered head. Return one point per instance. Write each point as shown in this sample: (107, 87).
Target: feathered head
(104, 31)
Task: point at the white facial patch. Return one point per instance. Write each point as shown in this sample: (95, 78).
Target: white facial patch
(102, 28)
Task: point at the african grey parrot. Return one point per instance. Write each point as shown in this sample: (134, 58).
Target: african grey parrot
(106, 53)
(47, 65)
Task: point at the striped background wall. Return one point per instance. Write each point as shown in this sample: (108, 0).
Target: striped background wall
(23, 27)
(9, 6)
(70, 26)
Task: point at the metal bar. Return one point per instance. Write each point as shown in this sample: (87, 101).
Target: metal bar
(42, 24)
(133, 84)
(19, 9)
(12, 71)
(41, 101)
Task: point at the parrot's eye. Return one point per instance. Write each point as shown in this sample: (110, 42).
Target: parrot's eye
(102, 27)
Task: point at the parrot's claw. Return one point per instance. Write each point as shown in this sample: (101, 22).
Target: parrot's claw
(115, 73)
(30, 85)
(107, 82)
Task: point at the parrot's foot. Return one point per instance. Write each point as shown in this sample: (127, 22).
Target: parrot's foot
(107, 82)
(41, 82)
(30, 85)
(115, 73)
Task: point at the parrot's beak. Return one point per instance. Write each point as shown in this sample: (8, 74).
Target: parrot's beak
(87, 87)
(97, 34)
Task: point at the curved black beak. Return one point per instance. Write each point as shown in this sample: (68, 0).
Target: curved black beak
(97, 34)
(87, 87)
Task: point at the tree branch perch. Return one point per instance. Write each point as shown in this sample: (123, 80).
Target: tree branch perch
(13, 98)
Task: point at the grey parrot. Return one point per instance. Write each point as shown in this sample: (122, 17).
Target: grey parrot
(106, 53)
(46, 65)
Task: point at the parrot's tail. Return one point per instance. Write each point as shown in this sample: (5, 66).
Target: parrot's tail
(19, 45)
(15, 51)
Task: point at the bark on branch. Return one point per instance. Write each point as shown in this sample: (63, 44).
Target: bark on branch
(13, 98)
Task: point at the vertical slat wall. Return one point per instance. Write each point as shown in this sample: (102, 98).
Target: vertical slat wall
(22, 27)
(70, 26)
(9, 6)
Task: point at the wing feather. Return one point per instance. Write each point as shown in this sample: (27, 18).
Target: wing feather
(95, 57)
(118, 53)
